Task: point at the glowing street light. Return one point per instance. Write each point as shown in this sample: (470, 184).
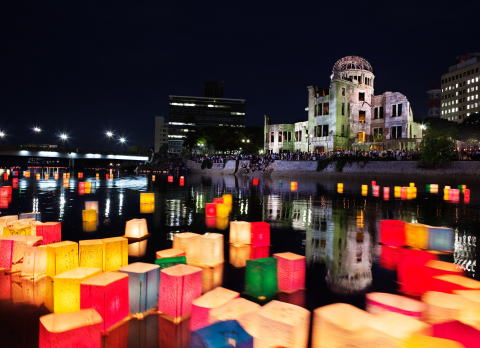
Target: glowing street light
(63, 136)
(109, 134)
(37, 129)
(122, 140)
(2, 134)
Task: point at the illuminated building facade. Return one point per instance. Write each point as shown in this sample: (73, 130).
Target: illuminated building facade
(188, 114)
(348, 115)
(460, 88)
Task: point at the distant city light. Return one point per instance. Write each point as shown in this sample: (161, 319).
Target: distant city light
(64, 136)
(37, 129)
(2, 134)
(109, 134)
(423, 127)
(122, 140)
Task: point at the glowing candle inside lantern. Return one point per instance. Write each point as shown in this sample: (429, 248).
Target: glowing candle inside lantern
(143, 281)
(291, 270)
(261, 280)
(136, 229)
(34, 262)
(77, 329)
(179, 286)
(115, 253)
(91, 253)
(240, 233)
(61, 257)
(66, 288)
(202, 306)
(108, 294)
(222, 334)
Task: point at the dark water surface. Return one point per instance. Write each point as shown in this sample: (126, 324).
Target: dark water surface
(337, 233)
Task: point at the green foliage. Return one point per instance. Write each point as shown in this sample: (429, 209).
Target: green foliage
(436, 150)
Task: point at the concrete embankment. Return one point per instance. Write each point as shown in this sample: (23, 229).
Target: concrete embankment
(377, 168)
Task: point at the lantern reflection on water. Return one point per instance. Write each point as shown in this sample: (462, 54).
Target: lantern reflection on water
(91, 205)
(147, 208)
(240, 233)
(221, 223)
(66, 288)
(77, 329)
(6, 254)
(90, 253)
(210, 209)
(261, 278)
(89, 226)
(221, 334)
(203, 305)
(137, 249)
(171, 334)
(143, 280)
(61, 257)
(108, 294)
(179, 286)
(291, 270)
(89, 215)
(36, 292)
(239, 254)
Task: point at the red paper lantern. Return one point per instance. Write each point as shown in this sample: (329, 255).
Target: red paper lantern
(50, 231)
(5, 177)
(4, 203)
(392, 232)
(376, 191)
(211, 209)
(259, 252)
(389, 256)
(466, 196)
(457, 331)
(181, 181)
(170, 178)
(81, 186)
(218, 200)
(5, 191)
(255, 181)
(448, 283)
(15, 183)
(412, 273)
(374, 183)
(260, 233)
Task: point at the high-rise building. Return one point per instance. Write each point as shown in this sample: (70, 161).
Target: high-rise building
(434, 101)
(161, 133)
(188, 114)
(348, 115)
(460, 88)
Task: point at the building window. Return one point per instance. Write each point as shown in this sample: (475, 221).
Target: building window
(343, 91)
(399, 109)
(289, 136)
(378, 112)
(272, 137)
(361, 96)
(396, 132)
(343, 131)
(361, 116)
(394, 110)
(279, 137)
(377, 133)
(325, 130)
(325, 109)
(343, 109)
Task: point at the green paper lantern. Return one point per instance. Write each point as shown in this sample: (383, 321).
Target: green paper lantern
(261, 278)
(170, 261)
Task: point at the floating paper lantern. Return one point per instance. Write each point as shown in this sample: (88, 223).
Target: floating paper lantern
(411, 192)
(97, 176)
(471, 314)
(179, 286)
(24, 227)
(136, 229)
(293, 186)
(412, 184)
(373, 183)
(466, 196)
(137, 249)
(404, 193)
(441, 307)
(433, 188)
(170, 261)
(466, 335)
(5, 191)
(170, 178)
(206, 250)
(147, 197)
(154, 178)
(6, 254)
(80, 175)
(168, 253)
(255, 181)
(222, 210)
(212, 277)
(202, 306)
(261, 281)
(115, 253)
(239, 309)
(291, 270)
(416, 235)
(376, 191)
(386, 193)
(379, 302)
(450, 282)
(437, 267)
(181, 181)
(46, 176)
(184, 241)
(34, 262)
(55, 176)
(89, 215)
(397, 191)
(37, 176)
(108, 294)
(392, 232)
(422, 341)
(210, 209)
(20, 245)
(339, 187)
(50, 231)
(90, 253)
(454, 195)
(78, 329)
(227, 199)
(81, 186)
(441, 238)
(364, 190)
(147, 208)
(33, 215)
(107, 176)
(89, 226)
(5, 220)
(66, 288)
(218, 200)
(92, 205)
(412, 275)
(143, 279)
(240, 233)
(260, 232)
(259, 252)
(26, 174)
(239, 254)
(281, 324)
(61, 257)
(222, 334)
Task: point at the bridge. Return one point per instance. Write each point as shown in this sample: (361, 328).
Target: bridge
(72, 155)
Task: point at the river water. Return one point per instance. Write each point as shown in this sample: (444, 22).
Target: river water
(337, 233)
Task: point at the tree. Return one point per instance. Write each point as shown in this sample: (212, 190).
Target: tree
(436, 150)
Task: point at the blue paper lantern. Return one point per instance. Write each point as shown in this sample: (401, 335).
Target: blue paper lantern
(222, 334)
(441, 238)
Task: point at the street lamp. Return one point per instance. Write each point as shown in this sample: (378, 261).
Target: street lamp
(37, 129)
(122, 140)
(63, 136)
(2, 134)
(109, 134)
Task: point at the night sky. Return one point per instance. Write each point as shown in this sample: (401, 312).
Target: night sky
(88, 66)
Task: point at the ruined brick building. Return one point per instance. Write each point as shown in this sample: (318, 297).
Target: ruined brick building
(348, 115)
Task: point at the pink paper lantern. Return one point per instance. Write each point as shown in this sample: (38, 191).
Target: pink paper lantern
(179, 286)
(457, 331)
(260, 233)
(81, 329)
(386, 193)
(290, 271)
(202, 306)
(50, 231)
(211, 209)
(6, 254)
(170, 178)
(108, 294)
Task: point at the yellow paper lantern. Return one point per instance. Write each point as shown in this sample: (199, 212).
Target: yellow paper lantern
(34, 262)
(239, 254)
(397, 191)
(61, 257)
(227, 200)
(222, 210)
(293, 186)
(115, 253)
(212, 276)
(136, 229)
(89, 215)
(35, 292)
(91, 253)
(416, 235)
(203, 305)
(340, 187)
(240, 233)
(22, 227)
(147, 198)
(6, 220)
(206, 250)
(412, 184)
(148, 208)
(422, 341)
(137, 249)
(364, 190)
(66, 288)
(471, 314)
(282, 324)
(442, 307)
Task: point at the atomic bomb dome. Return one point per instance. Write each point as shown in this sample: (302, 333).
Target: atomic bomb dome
(351, 63)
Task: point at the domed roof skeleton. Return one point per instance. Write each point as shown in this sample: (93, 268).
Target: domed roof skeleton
(350, 63)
